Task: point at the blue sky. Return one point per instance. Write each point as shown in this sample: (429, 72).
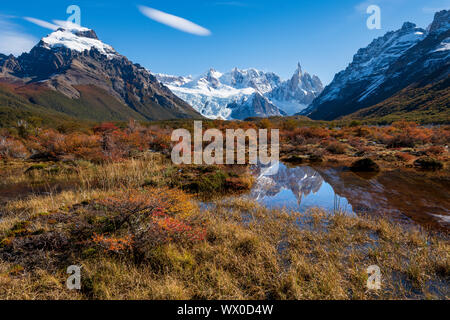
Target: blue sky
(269, 35)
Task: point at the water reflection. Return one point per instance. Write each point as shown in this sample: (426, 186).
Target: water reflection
(297, 188)
(403, 194)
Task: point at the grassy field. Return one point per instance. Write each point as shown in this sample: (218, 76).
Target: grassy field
(133, 221)
(138, 240)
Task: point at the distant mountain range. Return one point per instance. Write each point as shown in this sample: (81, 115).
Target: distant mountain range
(239, 94)
(405, 72)
(72, 74)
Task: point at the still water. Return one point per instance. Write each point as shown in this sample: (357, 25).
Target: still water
(405, 195)
(296, 188)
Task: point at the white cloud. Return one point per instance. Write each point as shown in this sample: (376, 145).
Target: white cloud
(42, 23)
(174, 21)
(12, 40)
(69, 25)
(55, 25)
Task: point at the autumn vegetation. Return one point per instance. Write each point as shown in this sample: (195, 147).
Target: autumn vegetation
(108, 197)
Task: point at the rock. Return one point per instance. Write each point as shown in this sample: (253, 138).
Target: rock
(428, 163)
(296, 159)
(315, 158)
(44, 156)
(365, 165)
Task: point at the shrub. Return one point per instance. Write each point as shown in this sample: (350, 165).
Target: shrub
(113, 244)
(365, 165)
(435, 150)
(105, 127)
(316, 157)
(290, 124)
(428, 163)
(405, 157)
(11, 148)
(336, 148)
(354, 123)
(401, 141)
(295, 159)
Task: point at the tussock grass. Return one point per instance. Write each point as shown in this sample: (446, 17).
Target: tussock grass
(248, 251)
(251, 252)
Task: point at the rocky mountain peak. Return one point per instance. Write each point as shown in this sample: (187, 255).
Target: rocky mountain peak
(387, 65)
(299, 68)
(408, 26)
(441, 22)
(242, 93)
(72, 58)
(85, 33)
(77, 40)
(212, 77)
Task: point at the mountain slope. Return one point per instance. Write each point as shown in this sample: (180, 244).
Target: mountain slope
(90, 80)
(217, 95)
(14, 108)
(428, 104)
(407, 57)
(255, 105)
(296, 93)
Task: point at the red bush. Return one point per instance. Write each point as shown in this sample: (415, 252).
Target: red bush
(12, 148)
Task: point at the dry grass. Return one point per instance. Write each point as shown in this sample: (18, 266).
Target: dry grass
(249, 252)
(254, 253)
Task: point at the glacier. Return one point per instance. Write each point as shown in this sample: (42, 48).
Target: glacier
(231, 95)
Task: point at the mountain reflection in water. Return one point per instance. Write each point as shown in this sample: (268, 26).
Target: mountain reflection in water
(403, 194)
(297, 188)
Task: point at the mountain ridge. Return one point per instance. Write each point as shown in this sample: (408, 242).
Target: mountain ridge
(218, 95)
(410, 56)
(70, 59)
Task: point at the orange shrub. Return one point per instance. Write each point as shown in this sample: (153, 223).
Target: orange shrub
(105, 127)
(113, 244)
(435, 150)
(154, 216)
(12, 148)
(336, 147)
(405, 157)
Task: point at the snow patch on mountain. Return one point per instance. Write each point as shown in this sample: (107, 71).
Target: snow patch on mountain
(370, 64)
(219, 95)
(387, 65)
(173, 80)
(77, 39)
(444, 46)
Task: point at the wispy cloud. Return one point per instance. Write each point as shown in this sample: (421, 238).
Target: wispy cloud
(42, 23)
(55, 25)
(174, 21)
(13, 40)
(67, 24)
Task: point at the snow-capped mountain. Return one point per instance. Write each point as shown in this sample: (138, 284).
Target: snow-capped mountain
(255, 105)
(81, 70)
(389, 64)
(297, 92)
(77, 39)
(245, 93)
(300, 180)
